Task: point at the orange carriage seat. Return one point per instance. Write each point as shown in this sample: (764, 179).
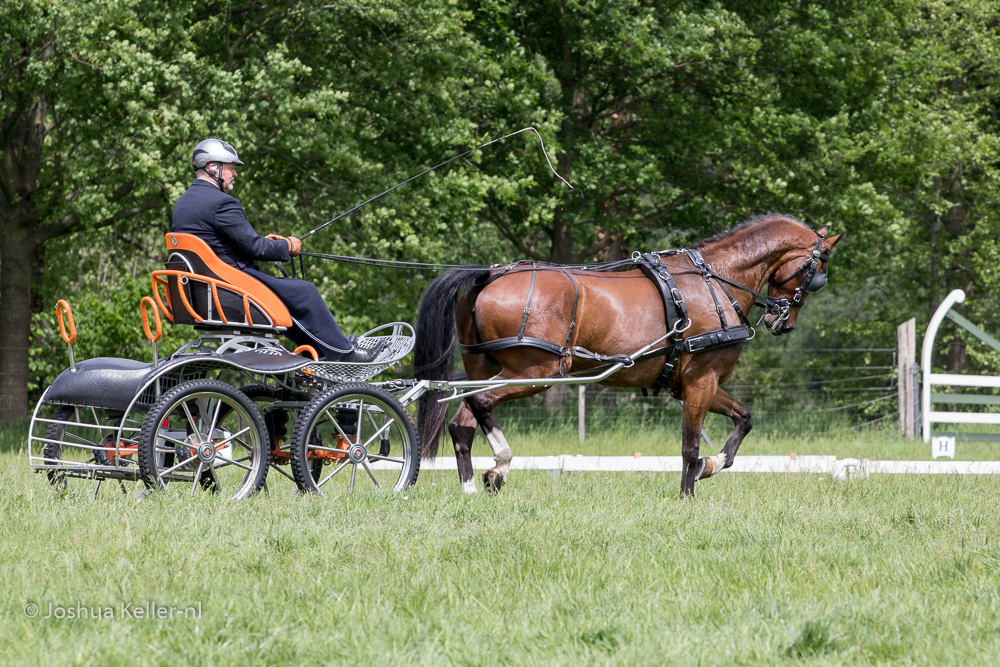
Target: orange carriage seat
(201, 289)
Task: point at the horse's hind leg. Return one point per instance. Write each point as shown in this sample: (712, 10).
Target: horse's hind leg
(724, 404)
(495, 477)
(462, 428)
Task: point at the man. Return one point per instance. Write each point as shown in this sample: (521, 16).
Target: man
(206, 211)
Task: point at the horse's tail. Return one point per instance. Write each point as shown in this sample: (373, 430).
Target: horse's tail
(432, 356)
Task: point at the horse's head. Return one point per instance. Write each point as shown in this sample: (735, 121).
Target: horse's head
(798, 273)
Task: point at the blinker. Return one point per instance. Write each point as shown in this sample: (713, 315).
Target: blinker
(817, 283)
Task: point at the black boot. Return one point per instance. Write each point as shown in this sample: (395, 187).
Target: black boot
(363, 356)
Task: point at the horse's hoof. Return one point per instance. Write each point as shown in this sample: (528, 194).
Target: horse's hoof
(492, 481)
(703, 470)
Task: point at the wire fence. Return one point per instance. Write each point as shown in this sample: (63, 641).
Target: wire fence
(827, 390)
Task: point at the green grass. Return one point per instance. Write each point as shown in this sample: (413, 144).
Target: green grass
(576, 569)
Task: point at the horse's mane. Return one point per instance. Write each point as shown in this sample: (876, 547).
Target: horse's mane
(749, 223)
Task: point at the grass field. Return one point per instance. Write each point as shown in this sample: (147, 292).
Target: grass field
(579, 569)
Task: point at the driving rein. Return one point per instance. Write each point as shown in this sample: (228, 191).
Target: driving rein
(675, 310)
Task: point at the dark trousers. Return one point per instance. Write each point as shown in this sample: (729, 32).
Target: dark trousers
(313, 322)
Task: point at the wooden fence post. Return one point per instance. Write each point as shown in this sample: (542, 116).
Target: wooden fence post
(906, 336)
(581, 411)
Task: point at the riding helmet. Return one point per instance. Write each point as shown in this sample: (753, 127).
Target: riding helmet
(213, 150)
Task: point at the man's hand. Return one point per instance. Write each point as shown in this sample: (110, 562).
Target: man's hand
(294, 244)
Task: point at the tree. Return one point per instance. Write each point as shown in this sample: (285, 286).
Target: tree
(92, 96)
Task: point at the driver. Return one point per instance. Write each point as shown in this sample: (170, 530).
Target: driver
(206, 211)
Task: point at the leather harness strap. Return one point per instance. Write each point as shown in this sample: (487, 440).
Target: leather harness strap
(674, 311)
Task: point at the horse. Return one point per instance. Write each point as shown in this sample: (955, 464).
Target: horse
(615, 313)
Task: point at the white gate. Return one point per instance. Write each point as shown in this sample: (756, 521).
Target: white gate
(949, 379)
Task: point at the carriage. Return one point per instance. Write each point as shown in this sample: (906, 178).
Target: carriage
(225, 410)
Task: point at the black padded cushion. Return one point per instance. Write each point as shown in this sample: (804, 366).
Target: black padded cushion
(104, 382)
(268, 362)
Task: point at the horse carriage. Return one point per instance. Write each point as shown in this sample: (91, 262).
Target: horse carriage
(226, 409)
(223, 410)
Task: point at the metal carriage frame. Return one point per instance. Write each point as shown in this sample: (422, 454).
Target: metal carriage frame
(111, 413)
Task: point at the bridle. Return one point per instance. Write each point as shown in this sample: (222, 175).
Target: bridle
(814, 281)
(780, 306)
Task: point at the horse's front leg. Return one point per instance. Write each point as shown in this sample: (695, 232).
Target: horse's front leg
(724, 404)
(697, 400)
(462, 428)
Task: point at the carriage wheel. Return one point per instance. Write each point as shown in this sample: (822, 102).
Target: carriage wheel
(361, 434)
(204, 435)
(85, 438)
(279, 424)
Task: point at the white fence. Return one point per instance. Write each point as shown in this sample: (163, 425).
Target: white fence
(829, 465)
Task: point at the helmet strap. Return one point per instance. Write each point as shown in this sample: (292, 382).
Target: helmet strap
(216, 177)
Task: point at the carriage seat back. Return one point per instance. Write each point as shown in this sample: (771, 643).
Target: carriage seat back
(201, 289)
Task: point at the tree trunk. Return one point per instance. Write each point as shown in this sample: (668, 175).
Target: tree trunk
(17, 249)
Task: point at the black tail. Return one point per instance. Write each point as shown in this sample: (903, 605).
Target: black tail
(432, 357)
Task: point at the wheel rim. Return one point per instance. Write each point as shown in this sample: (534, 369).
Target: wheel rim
(362, 443)
(207, 442)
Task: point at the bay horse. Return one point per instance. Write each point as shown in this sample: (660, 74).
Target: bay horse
(617, 313)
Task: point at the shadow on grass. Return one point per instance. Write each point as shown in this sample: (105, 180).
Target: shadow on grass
(814, 639)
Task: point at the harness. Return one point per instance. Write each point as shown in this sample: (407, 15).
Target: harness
(564, 351)
(674, 308)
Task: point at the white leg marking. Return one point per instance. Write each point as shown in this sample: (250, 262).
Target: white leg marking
(501, 452)
(716, 463)
(469, 487)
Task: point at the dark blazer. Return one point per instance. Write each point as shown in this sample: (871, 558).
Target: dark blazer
(218, 219)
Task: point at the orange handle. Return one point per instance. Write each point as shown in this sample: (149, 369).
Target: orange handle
(61, 305)
(145, 319)
(307, 348)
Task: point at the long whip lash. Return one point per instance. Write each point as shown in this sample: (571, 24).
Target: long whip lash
(532, 129)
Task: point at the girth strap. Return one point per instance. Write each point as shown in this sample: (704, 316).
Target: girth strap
(674, 311)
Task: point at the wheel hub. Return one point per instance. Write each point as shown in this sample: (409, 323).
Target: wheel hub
(206, 452)
(357, 453)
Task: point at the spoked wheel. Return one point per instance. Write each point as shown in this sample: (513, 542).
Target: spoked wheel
(279, 422)
(361, 434)
(82, 437)
(204, 435)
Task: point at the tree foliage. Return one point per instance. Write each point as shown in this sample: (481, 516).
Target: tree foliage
(673, 120)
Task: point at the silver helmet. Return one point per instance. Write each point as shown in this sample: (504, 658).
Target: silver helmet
(213, 150)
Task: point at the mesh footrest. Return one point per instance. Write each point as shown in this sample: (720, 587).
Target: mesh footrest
(397, 346)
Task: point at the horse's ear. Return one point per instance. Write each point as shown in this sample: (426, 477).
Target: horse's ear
(823, 231)
(832, 241)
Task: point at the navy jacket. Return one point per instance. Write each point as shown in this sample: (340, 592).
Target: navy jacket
(218, 219)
